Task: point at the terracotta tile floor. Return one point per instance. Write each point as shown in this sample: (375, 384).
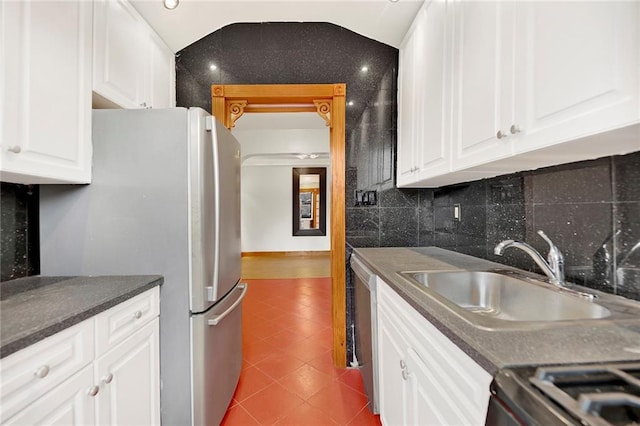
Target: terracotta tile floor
(288, 377)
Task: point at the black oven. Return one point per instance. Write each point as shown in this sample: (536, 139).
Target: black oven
(588, 395)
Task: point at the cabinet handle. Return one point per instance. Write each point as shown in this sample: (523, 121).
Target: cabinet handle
(108, 378)
(41, 372)
(15, 149)
(501, 134)
(403, 364)
(143, 105)
(405, 375)
(137, 315)
(515, 129)
(93, 390)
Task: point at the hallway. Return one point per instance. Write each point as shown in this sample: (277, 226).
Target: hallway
(288, 377)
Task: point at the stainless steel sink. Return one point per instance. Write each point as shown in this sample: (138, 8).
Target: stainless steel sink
(491, 298)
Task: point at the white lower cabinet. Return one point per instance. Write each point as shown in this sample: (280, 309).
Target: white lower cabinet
(71, 379)
(425, 379)
(128, 376)
(71, 403)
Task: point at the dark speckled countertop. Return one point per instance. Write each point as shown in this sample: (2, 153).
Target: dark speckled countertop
(33, 308)
(576, 342)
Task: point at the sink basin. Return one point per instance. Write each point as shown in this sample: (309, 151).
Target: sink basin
(503, 297)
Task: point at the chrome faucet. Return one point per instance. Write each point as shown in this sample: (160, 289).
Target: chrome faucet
(553, 267)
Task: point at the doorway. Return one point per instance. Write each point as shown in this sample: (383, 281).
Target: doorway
(230, 102)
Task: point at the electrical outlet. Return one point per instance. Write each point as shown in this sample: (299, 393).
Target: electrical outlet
(457, 212)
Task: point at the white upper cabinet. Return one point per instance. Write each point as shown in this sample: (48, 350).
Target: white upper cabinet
(423, 86)
(483, 82)
(407, 96)
(579, 70)
(119, 54)
(132, 67)
(534, 84)
(161, 92)
(45, 87)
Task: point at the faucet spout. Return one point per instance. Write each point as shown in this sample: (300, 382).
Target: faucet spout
(554, 268)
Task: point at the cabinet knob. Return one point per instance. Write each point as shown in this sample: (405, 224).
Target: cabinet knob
(15, 149)
(108, 378)
(403, 364)
(405, 375)
(137, 315)
(93, 390)
(41, 372)
(501, 134)
(143, 105)
(514, 129)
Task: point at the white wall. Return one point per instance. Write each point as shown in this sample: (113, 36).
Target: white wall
(266, 194)
(267, 212)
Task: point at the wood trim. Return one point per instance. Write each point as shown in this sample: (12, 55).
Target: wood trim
(292, 96)
(319, 253)
(338, 226)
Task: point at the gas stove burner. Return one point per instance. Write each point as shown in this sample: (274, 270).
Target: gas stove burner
(599, 395)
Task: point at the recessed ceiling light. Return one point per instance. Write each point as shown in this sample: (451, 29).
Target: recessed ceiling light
(393, 1)
(364, 68)
(170, 4)
(213, 67)
(350, 103)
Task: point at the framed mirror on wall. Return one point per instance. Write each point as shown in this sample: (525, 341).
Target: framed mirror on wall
(309, 201)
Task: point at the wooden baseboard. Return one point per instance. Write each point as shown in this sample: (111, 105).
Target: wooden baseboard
(284, 253)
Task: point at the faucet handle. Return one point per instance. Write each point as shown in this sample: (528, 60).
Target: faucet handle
(547, 239)
(555, 257)
(553, 249)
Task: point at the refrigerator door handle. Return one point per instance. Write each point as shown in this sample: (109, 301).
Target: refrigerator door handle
(217, 318)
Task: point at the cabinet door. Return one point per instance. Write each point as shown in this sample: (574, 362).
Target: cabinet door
(483, 82)
(45, 107)
(391, 383)
(407, 81)
(579, 72)
(160, 75)
(128, 376)
(34, 371)
(421, 407)
(120, 54)
(71, 403)
(433, 68)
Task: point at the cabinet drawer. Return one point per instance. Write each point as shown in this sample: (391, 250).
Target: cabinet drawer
(30, 373)
(68, 404)
(119, 322)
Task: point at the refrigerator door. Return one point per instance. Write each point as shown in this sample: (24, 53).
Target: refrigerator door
(214, 191)
(217, 357)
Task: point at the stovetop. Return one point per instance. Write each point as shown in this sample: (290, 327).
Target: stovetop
(595, 394)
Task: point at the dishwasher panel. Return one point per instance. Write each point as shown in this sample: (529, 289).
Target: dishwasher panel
(365, 302)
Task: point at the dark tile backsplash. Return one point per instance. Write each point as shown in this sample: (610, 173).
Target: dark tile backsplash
(19, 256)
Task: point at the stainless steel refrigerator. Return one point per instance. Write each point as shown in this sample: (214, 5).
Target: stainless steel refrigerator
(165, 199)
